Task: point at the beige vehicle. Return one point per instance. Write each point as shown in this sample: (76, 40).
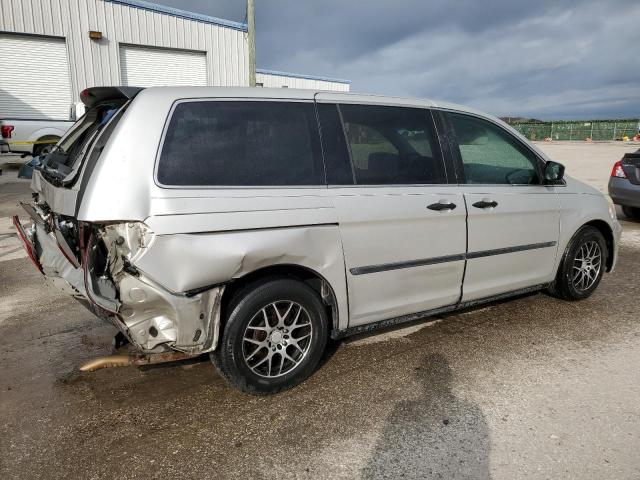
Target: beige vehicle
(29, 136)
(255, 224)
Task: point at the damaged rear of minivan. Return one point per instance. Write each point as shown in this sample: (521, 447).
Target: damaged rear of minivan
(92, 255)
(195, 220)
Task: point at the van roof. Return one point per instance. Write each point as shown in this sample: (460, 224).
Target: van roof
(177, 93)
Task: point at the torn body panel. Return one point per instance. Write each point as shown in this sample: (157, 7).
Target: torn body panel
(157, 318)
(151, 317)
(164, 292)
(60, 200)
(154, 315)
(184, 262)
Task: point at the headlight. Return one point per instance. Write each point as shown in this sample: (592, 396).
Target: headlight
(612, 207)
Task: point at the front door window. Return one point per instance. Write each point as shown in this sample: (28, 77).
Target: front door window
(491, 156)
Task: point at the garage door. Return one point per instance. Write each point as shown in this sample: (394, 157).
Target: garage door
(34, 77)
(154, 67)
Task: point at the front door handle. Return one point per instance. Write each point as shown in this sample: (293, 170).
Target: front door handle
(486, 204)
(439, 206)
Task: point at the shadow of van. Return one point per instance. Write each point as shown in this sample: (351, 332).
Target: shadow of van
(436, 435)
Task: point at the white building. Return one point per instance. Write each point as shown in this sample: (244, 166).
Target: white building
(50, 50)
(274, 79)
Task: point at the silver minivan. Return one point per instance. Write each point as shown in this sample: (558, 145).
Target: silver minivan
(255, 224)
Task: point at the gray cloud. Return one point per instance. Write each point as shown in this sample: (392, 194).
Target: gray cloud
(549, 59)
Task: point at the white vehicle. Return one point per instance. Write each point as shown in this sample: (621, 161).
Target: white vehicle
(35, 136)
(254, 224)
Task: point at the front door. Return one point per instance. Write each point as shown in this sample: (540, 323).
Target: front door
(513, 219)
(403, 230)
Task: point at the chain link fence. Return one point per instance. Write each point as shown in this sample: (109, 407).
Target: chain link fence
(599, 130)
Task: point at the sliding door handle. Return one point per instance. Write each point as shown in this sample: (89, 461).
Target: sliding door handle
(439, 206)
(486, 204)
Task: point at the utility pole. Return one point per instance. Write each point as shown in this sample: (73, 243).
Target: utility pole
(251, 27)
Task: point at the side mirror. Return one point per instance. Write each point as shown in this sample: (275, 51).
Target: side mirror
(553, 173)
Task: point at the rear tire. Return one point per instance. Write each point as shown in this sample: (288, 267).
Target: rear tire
(631, 212)
(582, 266)
(274, 336)
(44, 148)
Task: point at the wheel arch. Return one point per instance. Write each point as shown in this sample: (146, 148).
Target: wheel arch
(48, 137)
(304, 274)
(606, 231)
(47, 132)
(45, 138)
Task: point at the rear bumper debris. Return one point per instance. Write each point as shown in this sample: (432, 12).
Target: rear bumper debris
(154, 319)
(114, 361)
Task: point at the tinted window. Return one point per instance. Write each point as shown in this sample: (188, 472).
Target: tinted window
(392, 145)
(334, 146)
(491, 155)
(211, 143)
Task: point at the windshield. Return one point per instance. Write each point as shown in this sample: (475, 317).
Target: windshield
(67, 155)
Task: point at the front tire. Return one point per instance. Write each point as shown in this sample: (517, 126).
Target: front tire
(582, 265)
(274, 336)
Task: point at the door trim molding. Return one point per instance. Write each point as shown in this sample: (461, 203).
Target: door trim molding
(519, 248)
(384, 267)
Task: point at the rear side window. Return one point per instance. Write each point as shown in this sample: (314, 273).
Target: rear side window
(490, 155)
(226, 143)
(392, 145)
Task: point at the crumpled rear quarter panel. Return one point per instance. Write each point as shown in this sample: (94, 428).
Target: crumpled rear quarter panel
(183, 262)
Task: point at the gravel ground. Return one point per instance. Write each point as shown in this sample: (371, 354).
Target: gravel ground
(530, 388)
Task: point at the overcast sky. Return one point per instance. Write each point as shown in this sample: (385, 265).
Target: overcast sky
(545, 59)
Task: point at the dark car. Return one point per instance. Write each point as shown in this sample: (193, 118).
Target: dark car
(624, 184)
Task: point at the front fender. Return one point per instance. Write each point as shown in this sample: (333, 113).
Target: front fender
(578, 209)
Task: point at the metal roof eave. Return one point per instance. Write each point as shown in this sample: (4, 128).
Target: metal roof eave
(299, 75)
(176, 12)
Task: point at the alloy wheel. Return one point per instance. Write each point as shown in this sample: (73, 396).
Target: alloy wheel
(277, 339)
(586, 265)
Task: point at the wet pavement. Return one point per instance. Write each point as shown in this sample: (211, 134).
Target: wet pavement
(530, 388)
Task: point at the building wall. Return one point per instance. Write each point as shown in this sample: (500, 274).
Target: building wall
(96, 62)
(271, 79)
